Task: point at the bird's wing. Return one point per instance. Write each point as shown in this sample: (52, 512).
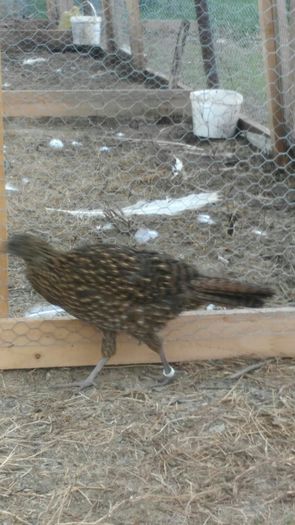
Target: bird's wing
(140, 275)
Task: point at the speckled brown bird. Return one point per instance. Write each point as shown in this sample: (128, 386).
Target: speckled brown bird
(122, 289)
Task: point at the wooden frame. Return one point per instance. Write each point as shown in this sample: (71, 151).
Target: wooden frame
(109, 26)
(206, 40)
(292, 68)
(3, 218)
(272, 20)
(108, 103)
(55, 40)
(203, 335)
(55, 8)
(193, 336)
(105, 103)
(136, 34)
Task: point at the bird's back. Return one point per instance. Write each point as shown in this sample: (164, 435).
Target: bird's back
(114, 286)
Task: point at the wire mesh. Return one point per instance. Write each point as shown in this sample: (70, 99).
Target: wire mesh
(95, 148)
(72, 178)
(127, 177)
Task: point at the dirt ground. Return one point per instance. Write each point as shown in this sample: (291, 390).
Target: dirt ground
(209, 449)
(111, 165)
(206, 450)
(60, 71)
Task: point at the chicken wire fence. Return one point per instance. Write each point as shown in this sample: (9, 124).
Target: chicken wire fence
(140, 177)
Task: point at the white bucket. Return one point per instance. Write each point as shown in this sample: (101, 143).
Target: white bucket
(215, 112)
(86, 30)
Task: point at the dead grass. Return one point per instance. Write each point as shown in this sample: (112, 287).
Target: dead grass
(206, 450)
(139, 166)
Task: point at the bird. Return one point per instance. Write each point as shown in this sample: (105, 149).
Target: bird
(122, 289)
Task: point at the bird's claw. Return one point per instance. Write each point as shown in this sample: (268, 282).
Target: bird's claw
(166, 379)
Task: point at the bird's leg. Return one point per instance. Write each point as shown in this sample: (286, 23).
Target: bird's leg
(108, 348)
(154, 342)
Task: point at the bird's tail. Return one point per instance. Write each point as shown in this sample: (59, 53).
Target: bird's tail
(227, 292)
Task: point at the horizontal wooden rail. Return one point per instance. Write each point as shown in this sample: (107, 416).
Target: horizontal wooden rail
(106, 103)
(60, 40)
(193, 336)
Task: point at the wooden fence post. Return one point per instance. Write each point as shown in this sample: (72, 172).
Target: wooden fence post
(3, 218)
(292, 68)
(206, 41)
(136, 34)
(269, 22)
(52, 11)
(108, 21)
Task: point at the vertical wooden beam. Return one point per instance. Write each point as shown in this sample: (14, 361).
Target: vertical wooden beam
(268, 12)
(136, 33)
(292, 67)
(108, 21)
(178, 54)
(283, 39)
(3, 217)
(64, 5)
(207, 46)
(55, 8)
(52, 10)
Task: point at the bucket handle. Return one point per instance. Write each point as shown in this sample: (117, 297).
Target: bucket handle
(91, 5)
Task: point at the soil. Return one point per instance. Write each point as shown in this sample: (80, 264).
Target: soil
(207, 449)
(61, 71)
(251, 234)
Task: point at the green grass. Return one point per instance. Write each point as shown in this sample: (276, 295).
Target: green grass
(236, 15)
(38, 9)
(235, 22)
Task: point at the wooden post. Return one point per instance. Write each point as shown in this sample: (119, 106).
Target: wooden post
(136, 34)
(109, 26)
(292, 67)
(52, 10)
(268, 12)
(283, 38)
(55, 8)
(178, 54)
(206, 41)
(3, 218)
(64, 5)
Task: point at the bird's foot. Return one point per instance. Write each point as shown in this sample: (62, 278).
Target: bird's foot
(168, 377)
(80, 385)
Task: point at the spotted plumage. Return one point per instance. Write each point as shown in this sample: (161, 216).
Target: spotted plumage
(122, 289)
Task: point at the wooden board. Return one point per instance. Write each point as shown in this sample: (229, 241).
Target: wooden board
(3, 217)
(193, 336)
(269, 14)
(106, 103)
(206, 41)
(292, 69)
(108, 21)
(246, 123)
(135, 34)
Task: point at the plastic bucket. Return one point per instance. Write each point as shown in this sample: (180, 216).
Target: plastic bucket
(86, 30)
(215, 112)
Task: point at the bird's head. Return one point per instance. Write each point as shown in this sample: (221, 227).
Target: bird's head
(27, 246)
